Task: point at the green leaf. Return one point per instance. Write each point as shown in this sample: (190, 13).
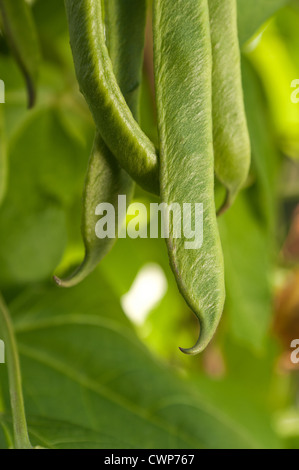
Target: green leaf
(46, 174)
(235, 399)
(247, 229)
(276, 61)
(89, 382)
(247, 268)
(5, 436)
(252, 14)
(19, 29)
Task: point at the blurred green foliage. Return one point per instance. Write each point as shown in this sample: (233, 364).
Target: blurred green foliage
(91, 377)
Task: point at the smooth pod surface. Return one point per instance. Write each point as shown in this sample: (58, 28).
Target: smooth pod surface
(20, 31)
(106, 180)
(231, 138)
(183, 67)
(96, 77)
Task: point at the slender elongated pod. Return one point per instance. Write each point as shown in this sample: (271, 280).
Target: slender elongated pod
(231, 138)
(106, 180)
(96, 77)
(183, 68)
(19, 29)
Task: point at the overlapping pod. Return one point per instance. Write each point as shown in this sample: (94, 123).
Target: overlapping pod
(183, 68)
(231, 138)
(19, 29)
(125, 26)
(200, 111)
(113, 118)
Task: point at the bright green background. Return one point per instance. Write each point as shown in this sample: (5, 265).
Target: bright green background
(91, 378)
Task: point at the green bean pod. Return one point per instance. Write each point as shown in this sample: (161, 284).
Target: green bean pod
(113, 118)
(231, 137)
(183, 69)
(20, 31)
(125, 26)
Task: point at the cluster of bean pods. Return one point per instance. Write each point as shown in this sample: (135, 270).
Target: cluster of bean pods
(201, 124)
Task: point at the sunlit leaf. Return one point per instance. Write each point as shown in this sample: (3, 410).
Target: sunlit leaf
(45, 176)
(252, 14)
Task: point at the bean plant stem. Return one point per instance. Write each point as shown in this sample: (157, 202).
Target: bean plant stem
(21, 437)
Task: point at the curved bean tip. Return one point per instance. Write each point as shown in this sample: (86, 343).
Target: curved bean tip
(205, 336)
(196, 349)
(58, 281)
(78, 275)
(226, 204)
(31, 95)
(192, 351)
(69, 282)
(31, 90)
(183, 350)
(72, 281)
